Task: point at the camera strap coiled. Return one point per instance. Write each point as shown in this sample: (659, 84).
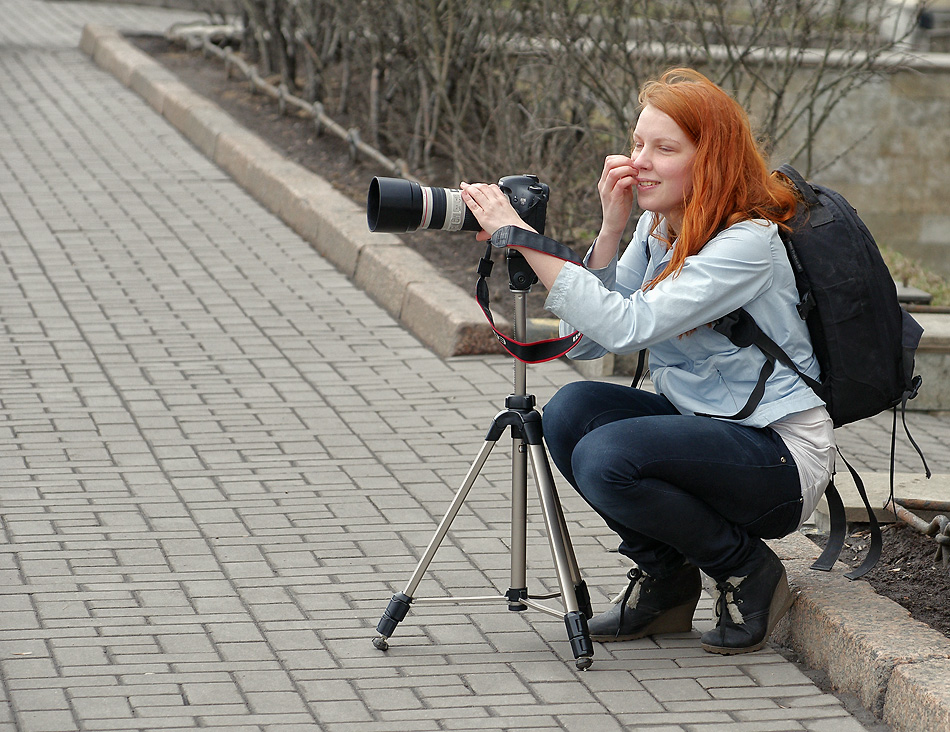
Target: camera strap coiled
(509, 236)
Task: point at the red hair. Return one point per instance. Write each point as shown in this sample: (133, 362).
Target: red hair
(730, 178)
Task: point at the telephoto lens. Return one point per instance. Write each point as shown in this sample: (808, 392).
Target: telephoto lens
(397, 205)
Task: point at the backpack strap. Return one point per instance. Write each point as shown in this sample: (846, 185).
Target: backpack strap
(817, 213)
(806, 191)
(640, 374)
(910, 394)
(836, 513)
(742, 330)
(839, 526)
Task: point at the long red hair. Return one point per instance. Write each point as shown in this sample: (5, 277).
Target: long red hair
(730, 178)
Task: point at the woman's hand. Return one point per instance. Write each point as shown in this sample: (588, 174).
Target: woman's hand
(491, 208)
(616, 188)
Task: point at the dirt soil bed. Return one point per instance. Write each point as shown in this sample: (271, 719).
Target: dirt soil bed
(908, 572)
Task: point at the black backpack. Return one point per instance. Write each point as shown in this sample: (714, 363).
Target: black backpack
(863, 338)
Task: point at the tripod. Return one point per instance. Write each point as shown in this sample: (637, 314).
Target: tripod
(525, 423)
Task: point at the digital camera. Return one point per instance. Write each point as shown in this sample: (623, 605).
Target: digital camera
(398, 205)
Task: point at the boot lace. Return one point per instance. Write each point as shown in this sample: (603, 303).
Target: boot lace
(726, 601)
(636, 576)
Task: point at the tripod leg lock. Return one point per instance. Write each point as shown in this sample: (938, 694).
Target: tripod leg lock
(579, 636)
(395, 612)
(515, 596)
(525, 425)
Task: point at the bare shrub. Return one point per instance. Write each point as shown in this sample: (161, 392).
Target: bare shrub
(464, 90)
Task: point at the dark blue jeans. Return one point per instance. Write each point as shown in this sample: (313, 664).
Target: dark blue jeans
(673, 487)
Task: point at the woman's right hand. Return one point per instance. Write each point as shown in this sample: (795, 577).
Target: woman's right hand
(491, 208)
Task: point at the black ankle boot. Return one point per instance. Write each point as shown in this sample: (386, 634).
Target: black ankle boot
(748, 608)
(650, 606)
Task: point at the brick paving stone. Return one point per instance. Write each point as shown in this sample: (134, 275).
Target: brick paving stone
(844, 724)
(50, 720)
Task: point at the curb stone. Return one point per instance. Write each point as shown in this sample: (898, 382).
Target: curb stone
(439, 313)
(867, 645)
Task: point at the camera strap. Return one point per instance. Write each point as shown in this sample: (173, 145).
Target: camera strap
(537, 351)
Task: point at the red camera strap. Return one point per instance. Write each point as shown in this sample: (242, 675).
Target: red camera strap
(537, 351)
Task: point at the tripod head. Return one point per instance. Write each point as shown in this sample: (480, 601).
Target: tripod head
(520, 275)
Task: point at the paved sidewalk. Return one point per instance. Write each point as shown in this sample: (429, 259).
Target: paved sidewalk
(220, 458)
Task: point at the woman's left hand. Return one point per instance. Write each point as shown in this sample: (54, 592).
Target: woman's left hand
(491, 208)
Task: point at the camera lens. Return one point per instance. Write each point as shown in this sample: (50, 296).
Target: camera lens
(398, 205)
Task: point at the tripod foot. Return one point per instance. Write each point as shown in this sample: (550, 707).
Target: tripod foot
(579, 636)
(396, 611)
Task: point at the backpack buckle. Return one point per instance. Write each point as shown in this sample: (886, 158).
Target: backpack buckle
(806, 305)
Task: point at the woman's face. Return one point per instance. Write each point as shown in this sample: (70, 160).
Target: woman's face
(663, 156)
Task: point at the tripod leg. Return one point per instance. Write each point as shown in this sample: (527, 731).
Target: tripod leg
(518, 589)
(398, 607)
(545, 482)
(580, 586)
(565, 562)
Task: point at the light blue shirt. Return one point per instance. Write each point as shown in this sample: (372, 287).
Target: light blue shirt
(697, 369)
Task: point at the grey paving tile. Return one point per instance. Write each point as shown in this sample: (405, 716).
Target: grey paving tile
(221, 458)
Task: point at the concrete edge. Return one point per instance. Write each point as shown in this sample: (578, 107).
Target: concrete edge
(868, 645)
(440, 314)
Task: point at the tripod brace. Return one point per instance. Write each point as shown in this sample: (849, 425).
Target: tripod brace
(524, 421)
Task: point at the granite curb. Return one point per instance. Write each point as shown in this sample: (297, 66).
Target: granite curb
(866, 644)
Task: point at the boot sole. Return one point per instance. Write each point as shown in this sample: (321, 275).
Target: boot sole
(676, 620)
(782, 599)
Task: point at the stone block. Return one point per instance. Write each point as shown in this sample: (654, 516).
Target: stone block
(266, 176)
(154, 86)
(595, 368)
(196, 118)
(448, 320)
(387, 267)
(795, 547)
(856, 636)
(338, 238)
(91, 36)
(933, 363)
(119, 58)
(235, 149)
(918, 697)
(300, 183)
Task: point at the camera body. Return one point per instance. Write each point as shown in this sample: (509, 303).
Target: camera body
(398, 205)
(529, 197)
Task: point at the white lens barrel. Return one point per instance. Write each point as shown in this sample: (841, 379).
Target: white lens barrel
(454, 210)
